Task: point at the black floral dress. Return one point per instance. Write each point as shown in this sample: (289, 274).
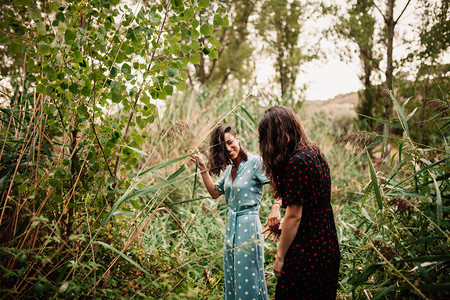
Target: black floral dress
(311, 265)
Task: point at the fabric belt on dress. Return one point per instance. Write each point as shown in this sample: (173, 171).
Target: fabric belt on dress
(232, 220)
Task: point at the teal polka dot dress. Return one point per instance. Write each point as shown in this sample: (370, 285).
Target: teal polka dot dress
(244, 244)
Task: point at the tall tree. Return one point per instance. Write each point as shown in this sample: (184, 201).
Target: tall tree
(280, 26)
(358, 25)
(434, 36)
(428, 56)
(390, 23)
(231, 61)
(11, 58)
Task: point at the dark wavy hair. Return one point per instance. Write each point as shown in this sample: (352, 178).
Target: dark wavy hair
(281, 135)
(218, 158)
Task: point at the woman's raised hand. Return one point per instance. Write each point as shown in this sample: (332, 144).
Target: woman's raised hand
(274, 221)
(197, 158)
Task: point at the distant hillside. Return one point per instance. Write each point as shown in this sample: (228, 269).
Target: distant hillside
(342, 103)
(340, 112)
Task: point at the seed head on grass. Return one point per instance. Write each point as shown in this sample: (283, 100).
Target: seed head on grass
(177, 129)
(357, 139)
(261, 95)
(438, 106)
(386, 93)
(401, 205)
(386, 250)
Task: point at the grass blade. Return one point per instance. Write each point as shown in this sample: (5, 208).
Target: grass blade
(166, 163)
(376, 187)
(142, 192)
(135, 150)
(403, 120)
(385, 291)
(109, 247)
(249, 115)
(381, 121)
(245, 122)
(366, 274)
(175, 174)
(423, 170)
(438, 201)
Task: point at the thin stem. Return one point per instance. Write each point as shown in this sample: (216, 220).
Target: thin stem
(404, 8)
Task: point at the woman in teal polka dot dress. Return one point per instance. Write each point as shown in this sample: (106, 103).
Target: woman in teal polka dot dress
(242, 184)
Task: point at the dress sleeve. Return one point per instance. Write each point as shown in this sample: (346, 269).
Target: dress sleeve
(296, 183)
(259, 173)
(220, 185)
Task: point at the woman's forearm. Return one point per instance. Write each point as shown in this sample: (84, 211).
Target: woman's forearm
(291, 222)
(210, 185)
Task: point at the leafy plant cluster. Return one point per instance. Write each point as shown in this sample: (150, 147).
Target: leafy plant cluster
(395, 238)
(77, 112)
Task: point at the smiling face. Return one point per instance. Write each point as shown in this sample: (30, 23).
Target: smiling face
(232, 147)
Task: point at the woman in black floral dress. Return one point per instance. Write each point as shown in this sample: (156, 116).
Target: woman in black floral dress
(307, 260)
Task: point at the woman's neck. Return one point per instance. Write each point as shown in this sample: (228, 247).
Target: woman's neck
(237, 162)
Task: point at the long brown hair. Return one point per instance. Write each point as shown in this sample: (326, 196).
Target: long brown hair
(218, 156)
(281, 135)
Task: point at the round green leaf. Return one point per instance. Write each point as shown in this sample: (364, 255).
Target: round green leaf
(195, 58)
(194, 34)
(181, 86)
(213, 54)
(44, 48)
(113, 72)
(171, 72)
(217, 20)
(203, 3)
(214, 42)
(41, 29)
(173, 81)
(69, 37)
(82, 110)
(77, 56)
(225, 22)
(176, 3)
(116, 95)
(126, 69)
(189, 13)
(205, 29)
(168, 89)
(186, 49)
(73, 88)
(40, 89)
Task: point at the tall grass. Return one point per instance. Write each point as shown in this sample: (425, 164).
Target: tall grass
(162, 235)
(395, 239)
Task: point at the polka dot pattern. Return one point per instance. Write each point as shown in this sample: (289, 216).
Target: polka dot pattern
(244, 243)
(311, 265)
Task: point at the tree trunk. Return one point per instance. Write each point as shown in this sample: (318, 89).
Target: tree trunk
(368, 94)
(390, 24)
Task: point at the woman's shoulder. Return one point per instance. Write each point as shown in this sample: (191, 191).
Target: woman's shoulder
(253, 157)
(304, 155)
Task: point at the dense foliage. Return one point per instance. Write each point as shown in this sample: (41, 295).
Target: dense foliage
(78, 112)
(97, 117)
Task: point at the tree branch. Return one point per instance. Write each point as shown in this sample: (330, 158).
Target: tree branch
(404, 8)
(384, 17)
(101, 148)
